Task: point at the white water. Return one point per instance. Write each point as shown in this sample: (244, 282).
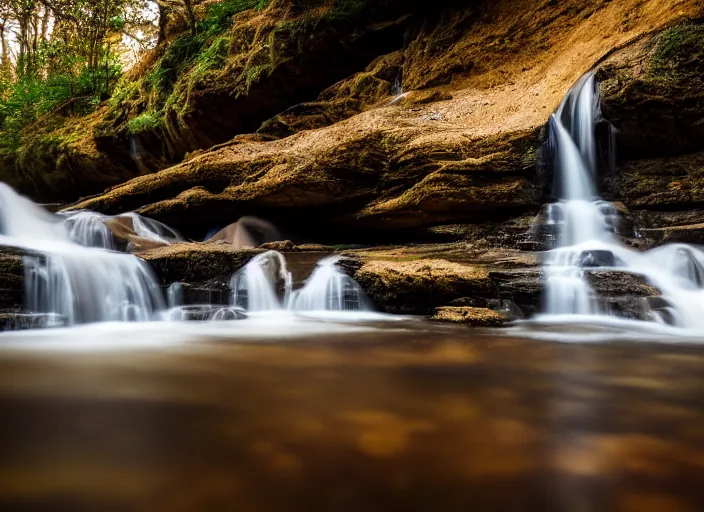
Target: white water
(258, 285)
(585, 229)
(330, 289)
(67, 281)
(91, 229)
(266, 284)
(73, 277)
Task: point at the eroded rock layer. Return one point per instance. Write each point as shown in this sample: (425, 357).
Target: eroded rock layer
(459, 147)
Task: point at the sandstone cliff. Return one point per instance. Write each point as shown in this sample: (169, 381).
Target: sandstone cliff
(459, 146)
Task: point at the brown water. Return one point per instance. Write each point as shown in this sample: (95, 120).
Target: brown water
(450, 419)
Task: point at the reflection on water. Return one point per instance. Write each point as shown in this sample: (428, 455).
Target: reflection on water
(398, 418)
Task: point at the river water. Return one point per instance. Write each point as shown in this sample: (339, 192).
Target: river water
(321, 415)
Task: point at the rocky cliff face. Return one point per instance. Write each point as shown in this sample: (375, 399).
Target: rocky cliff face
(654, 95)
(458, 146)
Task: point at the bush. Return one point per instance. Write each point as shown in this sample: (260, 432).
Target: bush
(147, 121)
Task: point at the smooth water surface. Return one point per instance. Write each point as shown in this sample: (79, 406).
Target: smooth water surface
(315, 414)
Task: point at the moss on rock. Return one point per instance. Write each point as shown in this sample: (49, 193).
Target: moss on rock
(418, 287)
(197, 263)
(473, 317)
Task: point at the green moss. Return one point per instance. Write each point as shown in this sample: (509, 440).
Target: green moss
(680, 53)
(219, 15)
(148, 121)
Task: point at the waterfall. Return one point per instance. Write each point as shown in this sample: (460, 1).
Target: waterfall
(255, 287)
(265, 284)
(91, 229)
(330, 289)
(69, 281)
(585, 226)
(151, 229)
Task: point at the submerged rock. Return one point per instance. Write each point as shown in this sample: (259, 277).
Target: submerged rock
(474, 317)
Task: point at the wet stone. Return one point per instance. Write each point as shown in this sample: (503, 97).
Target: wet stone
(473, 317)
(598, 258)
(184, 294)
(206, 312)
(617, 283)
(24, 321)
(523, 287)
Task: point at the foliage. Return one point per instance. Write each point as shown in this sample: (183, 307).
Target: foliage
(30, 97)
(184, 62)
(148, 121)
(63, 63)
(206, 48)
(680, 52)
(219, 15)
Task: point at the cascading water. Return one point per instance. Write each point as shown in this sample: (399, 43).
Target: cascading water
(265, 284)
(73, 277)
(71, 282)
(330, 289)
(254, 288)
(91, 229)
(585, 226)
(151, 229)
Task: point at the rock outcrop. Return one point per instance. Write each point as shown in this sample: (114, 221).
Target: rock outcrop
(653, 93)
(472, 317)
(418, 287)
(197, 263)
(484, 79)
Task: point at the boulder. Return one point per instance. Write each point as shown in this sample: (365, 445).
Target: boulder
(197, 263)
(619, 283)
(473, 317)
(418, 287)
(248, 232)
(523, 287)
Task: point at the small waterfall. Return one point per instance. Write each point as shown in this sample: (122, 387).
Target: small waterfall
(65, 279)
(330, 289)
(579, 215)
(91, 229)
(254, 288)
(397, 88)
(265, 283)
(586, 225)
(174, 295)
(151, 229)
